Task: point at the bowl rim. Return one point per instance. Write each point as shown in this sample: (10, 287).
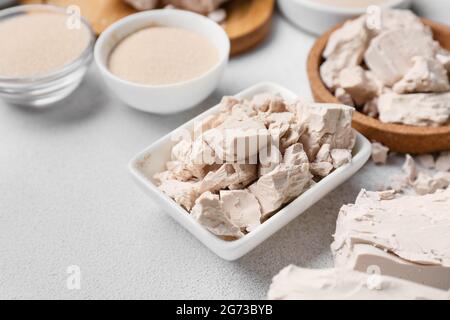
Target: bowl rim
(109, 32)
(229, 250)
(83, 58)
(343, 10)
(319, 88)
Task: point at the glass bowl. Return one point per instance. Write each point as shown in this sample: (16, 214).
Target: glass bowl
(42, 90)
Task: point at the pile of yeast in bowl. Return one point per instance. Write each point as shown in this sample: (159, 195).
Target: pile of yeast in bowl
(38, 43)
(390, 67)
(239, 167)
(159, 55)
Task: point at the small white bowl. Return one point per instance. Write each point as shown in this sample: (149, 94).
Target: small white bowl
(163, 99)
(318, 18)
(154, 158)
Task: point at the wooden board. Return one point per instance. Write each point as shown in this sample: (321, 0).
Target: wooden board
(248, 21)
(398, 137)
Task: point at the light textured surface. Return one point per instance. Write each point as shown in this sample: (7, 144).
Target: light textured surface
(67, 199)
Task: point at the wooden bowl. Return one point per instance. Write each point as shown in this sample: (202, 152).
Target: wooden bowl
(400, 138)
(248, 23)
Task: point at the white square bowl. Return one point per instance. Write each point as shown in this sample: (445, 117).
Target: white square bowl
(154, 158)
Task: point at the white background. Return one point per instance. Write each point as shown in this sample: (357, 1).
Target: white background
(67, 199)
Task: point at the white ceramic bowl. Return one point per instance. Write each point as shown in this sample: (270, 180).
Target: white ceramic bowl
(163, 99)
(154, 158)
(318, 18)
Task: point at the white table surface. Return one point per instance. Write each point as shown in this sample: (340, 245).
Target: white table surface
(67, 199)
